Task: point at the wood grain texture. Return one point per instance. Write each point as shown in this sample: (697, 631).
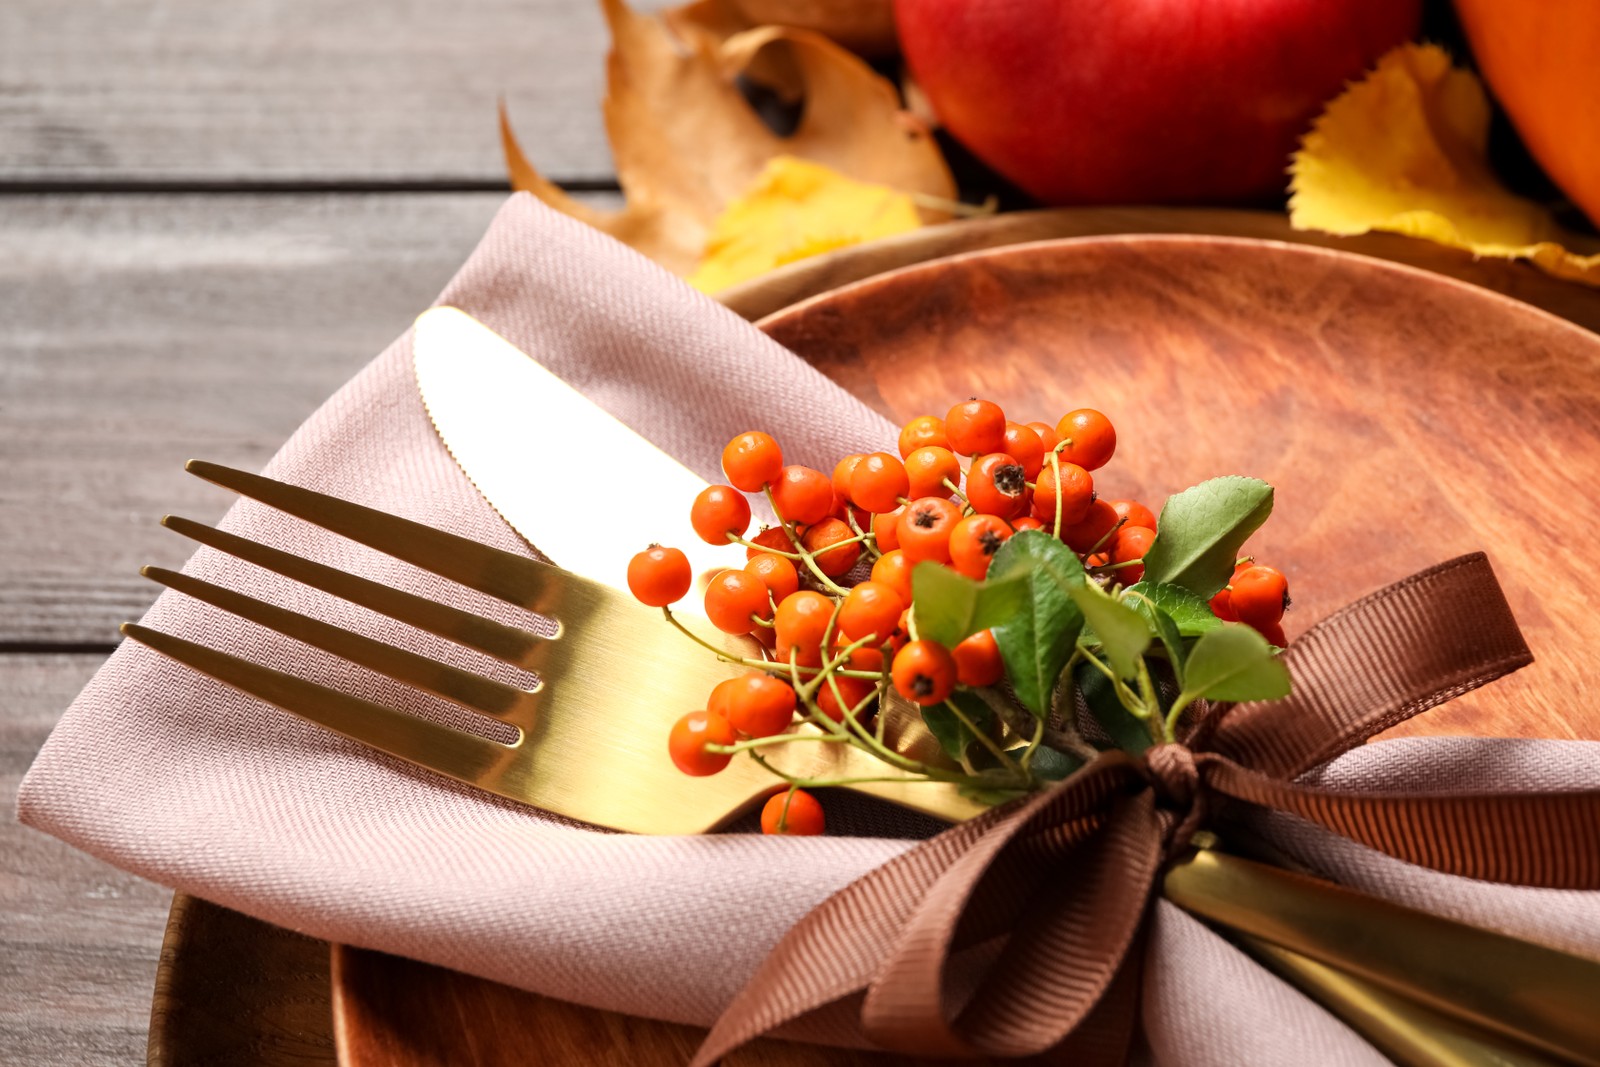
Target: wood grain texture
(143, 330)
(298, 91)
(78, 938)
(264, 1001)
(807, 278)
(395, 1012)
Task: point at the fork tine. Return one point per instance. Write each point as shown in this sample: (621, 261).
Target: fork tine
(449, 752)
(516, 579)
(472, 691)
(512, 644)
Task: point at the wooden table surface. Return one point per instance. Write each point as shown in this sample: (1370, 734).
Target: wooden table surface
(211, 215)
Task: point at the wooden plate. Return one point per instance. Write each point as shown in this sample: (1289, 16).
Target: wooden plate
(1404, 418)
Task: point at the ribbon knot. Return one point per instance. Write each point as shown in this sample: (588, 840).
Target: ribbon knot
(1173, 774)
(1174, 778)
(1071, 871)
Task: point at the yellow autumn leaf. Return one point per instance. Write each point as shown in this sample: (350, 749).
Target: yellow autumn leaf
(687, 143)
(1405, 150)
(793, 210)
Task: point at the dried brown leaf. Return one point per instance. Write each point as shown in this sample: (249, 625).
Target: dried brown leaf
(687, 143)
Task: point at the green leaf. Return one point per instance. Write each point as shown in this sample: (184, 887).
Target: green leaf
(1191, 612)
(1165, 629)
(1122, 631)
(1049, 763)
(1201, 530)
(1233, 662)
(948, 730)
(950, 607)
(1036, 641)
(992, 797)
(1127, 731)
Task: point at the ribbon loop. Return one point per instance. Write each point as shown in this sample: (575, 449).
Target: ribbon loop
(1389, 656)
(1055, 886)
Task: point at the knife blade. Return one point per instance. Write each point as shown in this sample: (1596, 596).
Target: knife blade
(509, 423)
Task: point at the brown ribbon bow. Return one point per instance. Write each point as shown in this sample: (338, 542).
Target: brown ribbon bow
(1074, 866)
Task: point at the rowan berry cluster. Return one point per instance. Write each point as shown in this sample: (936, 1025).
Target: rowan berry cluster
(844, 598)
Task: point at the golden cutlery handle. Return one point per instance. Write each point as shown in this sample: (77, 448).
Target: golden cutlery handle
(1543, 998)
(1404, 1031)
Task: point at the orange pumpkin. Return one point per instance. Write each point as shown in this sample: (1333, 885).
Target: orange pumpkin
(1542, 60)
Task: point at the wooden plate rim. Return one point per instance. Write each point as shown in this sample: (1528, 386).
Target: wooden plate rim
(909, 273)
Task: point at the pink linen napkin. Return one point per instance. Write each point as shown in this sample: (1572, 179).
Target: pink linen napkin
(187, 782)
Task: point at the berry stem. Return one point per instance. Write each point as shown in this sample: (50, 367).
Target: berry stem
(1055, 469)
(794, 539)
(1132, 703)
(1106, 537)
(985, 740)
(868, 541)
(735, 539)
(775, 739)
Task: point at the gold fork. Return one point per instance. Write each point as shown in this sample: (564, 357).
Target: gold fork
(591, 736)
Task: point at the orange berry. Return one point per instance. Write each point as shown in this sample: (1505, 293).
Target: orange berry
(924, 529)
(1130, 543)
(760, 705)
(865, 658)
(1026, 522)
(921, 432)
(995, 485)
(776, 573)
(752, 460)
(819, 541)
(928, 468)
(717, 702)
(872, 610)
(1076, 489)
(894, 570)
(1087, 437)
(1273, 632)
(978, 660)
(803, 495)
(801, 621)
(878, 482)
(975, 426)
(1260, 595)
(886, 530)
(924, 672)
(1088, 532)
(659, 576)
(796, 813)
(1136, 513)
(771, 537)
(1023, 445)
(690, 734)
(974, 541)
(718, 511)
(1222, 605)
(1046, 432)
(734, 600)
(853, 691)
(841, 476)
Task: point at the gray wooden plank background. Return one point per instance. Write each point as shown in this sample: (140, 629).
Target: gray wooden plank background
(320, 92)
(210, 217)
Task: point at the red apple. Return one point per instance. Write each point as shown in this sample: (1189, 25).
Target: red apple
(1129, 101)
